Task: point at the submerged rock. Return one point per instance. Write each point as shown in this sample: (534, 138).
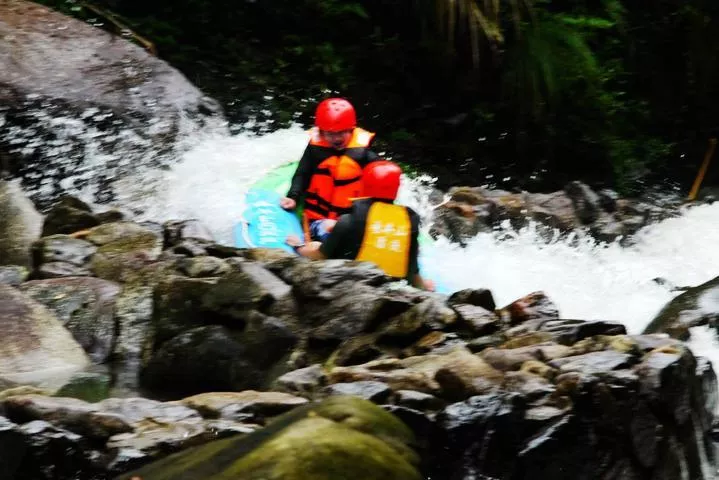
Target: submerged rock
(341, 438)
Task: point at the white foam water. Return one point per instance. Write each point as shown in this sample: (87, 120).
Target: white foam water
(585, 279)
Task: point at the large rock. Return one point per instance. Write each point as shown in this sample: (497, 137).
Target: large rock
(215, 358)
(34, 345)
(456, 374)
(203, 359)
(341, 438)
(20, 223)
(696, 306)
(122, 247)
(67, 216)
(248, 405)
(13, 275)
(607, 414)
(117, 101)
(85, 306)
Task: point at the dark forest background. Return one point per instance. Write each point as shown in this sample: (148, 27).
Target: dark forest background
(518, 94)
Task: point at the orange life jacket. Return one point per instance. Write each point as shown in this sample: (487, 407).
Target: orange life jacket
(337, 179)
(387, 238)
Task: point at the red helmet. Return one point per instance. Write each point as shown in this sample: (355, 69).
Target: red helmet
(335, 115)
(380, 179)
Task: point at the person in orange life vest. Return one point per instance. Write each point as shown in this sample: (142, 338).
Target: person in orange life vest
(375, 230)
(330, 171)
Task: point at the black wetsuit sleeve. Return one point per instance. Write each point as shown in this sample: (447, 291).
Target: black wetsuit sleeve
(413, 267)
(338, 238)
(302, 176)
(369, 157)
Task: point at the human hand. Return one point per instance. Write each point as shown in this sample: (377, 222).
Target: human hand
(293, 241)
(429, 285)
(288, 203)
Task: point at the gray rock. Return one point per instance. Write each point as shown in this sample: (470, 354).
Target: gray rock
(85, 306)
(376, 392)
(593, 363)
(63, 248)
(34, 344)
(56, 65)
(60, 270)
(250, 405)
(479, 297)
(138, 410)
(203, 267)
(304, 381)
(315, 279)
(477, 320)
(20, 224)
(417, 400)
(535, 306)
(569, 332)
(13, 275)
(200, 360)
(354, 309)
(67, 216)
(587, 203)
(698, 305)
(69, 413)
(177, 231)
(555, 210)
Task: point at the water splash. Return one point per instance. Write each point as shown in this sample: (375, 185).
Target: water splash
(586, 279)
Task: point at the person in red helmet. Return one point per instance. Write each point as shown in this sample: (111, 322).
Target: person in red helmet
(375, 230)
(329, 174)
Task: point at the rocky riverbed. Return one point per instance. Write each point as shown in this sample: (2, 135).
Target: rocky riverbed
(224, 342)
(140, 345)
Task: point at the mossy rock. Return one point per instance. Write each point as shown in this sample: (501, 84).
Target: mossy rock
(341, 438)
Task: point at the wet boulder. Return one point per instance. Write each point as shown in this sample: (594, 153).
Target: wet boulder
(67, 216)
(248, 406)
(13, 275)
(554, 210)
(199, 360)
(34, 345)
(85, 306)
(455, 374)
(697, 306)
(187, 237)
(340, 438)
(587, 203)
(20, 224)
(250, 287)
(59, 256)
(55, 65)
(480, 297)
(376, 392)
(535, 306)
(123, 248)
(315, 279)
(303, 381)
(569, 331)
(68, 413)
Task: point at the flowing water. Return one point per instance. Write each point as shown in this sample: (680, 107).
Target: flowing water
(586, 280)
